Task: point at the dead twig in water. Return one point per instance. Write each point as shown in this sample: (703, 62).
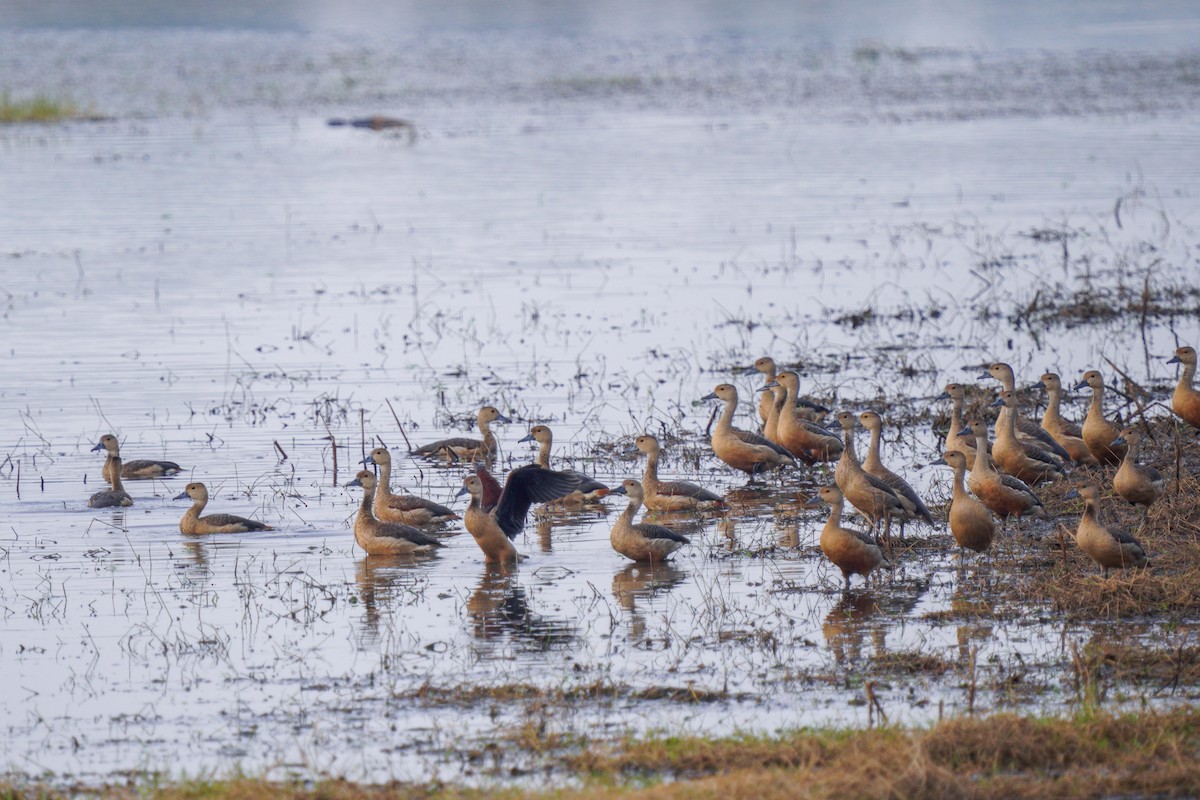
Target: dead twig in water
(407, 443)
(282, 455)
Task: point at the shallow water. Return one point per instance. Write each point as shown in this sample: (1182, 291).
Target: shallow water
(216, 272)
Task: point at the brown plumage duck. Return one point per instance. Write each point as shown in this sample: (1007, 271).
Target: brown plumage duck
(642, 541)
(971, 523)
(405, 509)
(1005, 495)
(807, 441)
(670, 495)
(385, 538)
(1136, 483)
(193, 523)
(139, 469)
(1109, 548)
(1027, 430)
(873, 465)
(1066, 433)
(1098, 432)
(850, 550)
(1021, 459)
(804, 408)
(1185, 401)
(495, 528)
(115, 496)
(740, 449)
(466, 448)
(958, 438)
(870, 495)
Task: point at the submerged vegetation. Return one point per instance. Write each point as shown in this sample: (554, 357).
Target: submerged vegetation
(38, 108)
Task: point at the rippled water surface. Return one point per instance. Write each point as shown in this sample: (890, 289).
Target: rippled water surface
(593, 239)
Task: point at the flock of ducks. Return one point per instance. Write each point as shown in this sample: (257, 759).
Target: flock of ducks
(992, 479)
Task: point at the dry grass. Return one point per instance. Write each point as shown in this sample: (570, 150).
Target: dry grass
(36, 109)
(1003, 756)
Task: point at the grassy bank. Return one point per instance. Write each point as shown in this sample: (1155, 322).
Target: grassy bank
(1002, 756)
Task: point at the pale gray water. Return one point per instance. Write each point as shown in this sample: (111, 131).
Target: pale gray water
(593, 239)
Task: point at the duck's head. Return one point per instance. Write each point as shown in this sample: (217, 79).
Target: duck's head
(540, 434)
(198, 492)
(1184, 355)
(108, 443)
(379, 455)
(364, 478)
(725, 392)
(1091, 378)
(489, 414)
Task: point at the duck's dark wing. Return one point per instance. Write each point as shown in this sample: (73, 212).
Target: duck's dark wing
(819, 430)
(1018, 485)
(458, 442)
(528, 485)
(407, 533)
(134, 467)
(762, 441)
(651, 531)
(685, 489)
(588, 485)
(804, 402)
(491, 488)
(233, 519)
(410, 502)
(1036, 431)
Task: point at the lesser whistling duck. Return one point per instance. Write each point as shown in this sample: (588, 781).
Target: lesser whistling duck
(405, 509)
(971, 523)
(590, 490)
(958, 438)
(805, 408)
(1108, 548)
(1098, 432)
(116, 495)
(1066, 433)
(1005, 495)
(771, 425)
(740, 449)
(807, 441)
(874, 466)
(1185, 400)
(494, 528)
(643, 541)
(1136, 483)
(870, 495)
(1027, 430)
(193, 523)
(139, 469)
(850, 550)
(670, 495)
(1021, 459)
(467, 448)
(385, 538)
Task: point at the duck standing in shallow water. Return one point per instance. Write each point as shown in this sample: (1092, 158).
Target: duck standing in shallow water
(670, 495)
(1108, 548)
(383, 538)
(916, 508)
(850, 550)
(806, 440)
(590, 490)
(958, 438)
(642, 541)
(495, 528)
(116, 496)
(874, 498)
(1005, 495)
(1026, 429)
(193, 523)
(740, 449)
(1021, 459)
(466, 448)
(1185, 400)
(804, 408)
(405, 509)
(139, 469)
(971, 523)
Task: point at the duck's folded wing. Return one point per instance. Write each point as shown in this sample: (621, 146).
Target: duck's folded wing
(762, 441)
(1043, 437)
(409, 534)
(410, 502)
(659, 532)
(685, 489)
(233, 519)
(528, 485)
(456, 443)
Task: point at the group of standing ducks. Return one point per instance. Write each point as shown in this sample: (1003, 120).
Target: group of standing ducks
(999, 475)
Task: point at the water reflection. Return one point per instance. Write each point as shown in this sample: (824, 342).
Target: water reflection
(849, 623)
(380, 580)
(499, 609)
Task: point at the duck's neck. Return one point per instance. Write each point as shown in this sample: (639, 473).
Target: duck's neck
(725, 423)
(630, 510)
(650, 477)
(1053, 402)
(1007, 421)
(114, 476)
(848, 447)
(956, 407)
(1090, 512)
(1097, 405)
(960, 474)
(543, 456)
(835, 515)
(873, 461)
(369, 497)
(787, 411)
(1186, 377)
(383, 485)
(981, 451)
(1131, 452)
(774, 409)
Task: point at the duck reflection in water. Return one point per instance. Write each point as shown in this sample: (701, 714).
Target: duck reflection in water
(499, 608)
(849, 623)
(380, 580)
(643, 580)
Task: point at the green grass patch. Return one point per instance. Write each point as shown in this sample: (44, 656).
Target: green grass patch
(39, 108)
